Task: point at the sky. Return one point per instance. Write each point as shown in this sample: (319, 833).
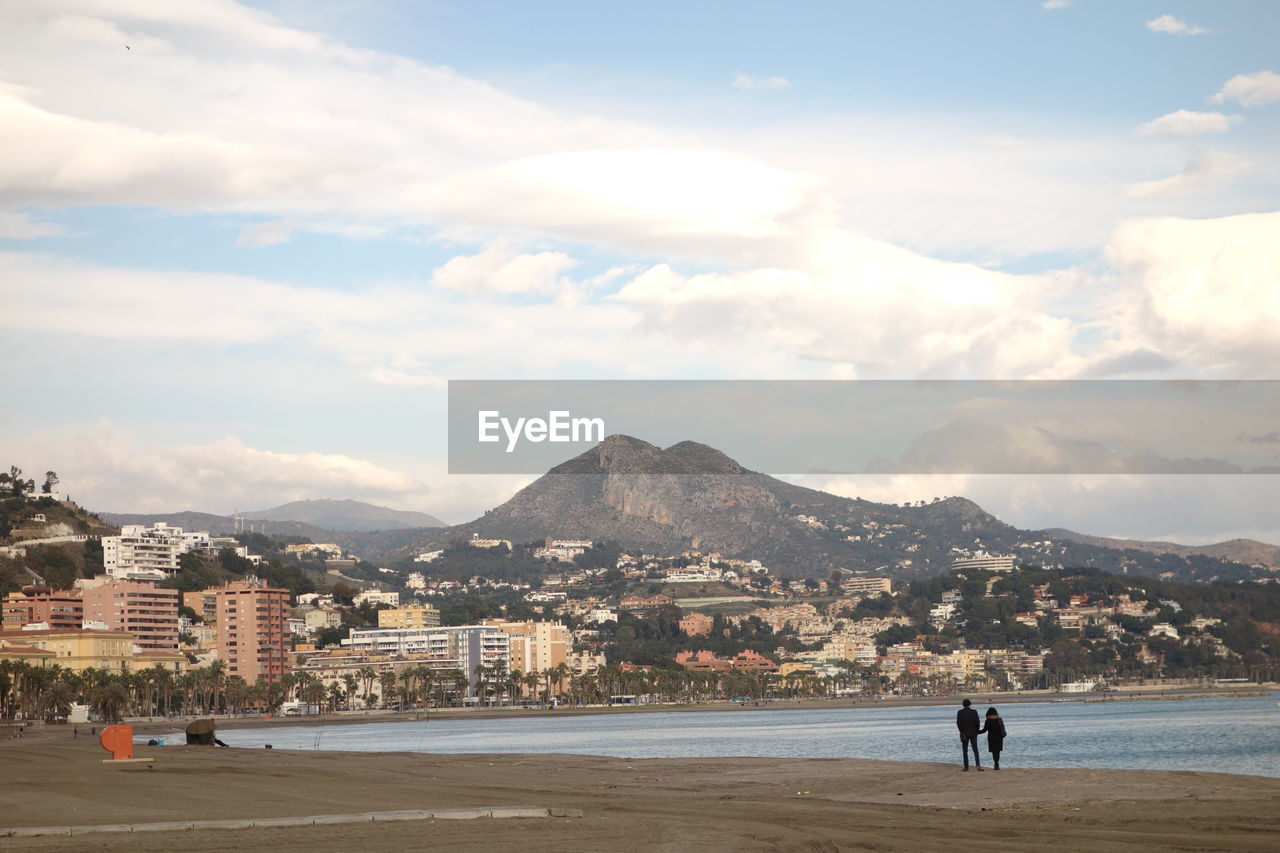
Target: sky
(244, 246)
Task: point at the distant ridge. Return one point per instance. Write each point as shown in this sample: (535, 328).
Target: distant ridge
(345, 515)
(1247, 551)
(657, 500)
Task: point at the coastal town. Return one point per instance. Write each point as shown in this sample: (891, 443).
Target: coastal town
(175, 621)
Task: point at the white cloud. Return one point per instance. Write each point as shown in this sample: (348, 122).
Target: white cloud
(1189, 123)
(266, 234)
(1053, 5)
(851, 300)
(1201, 292)
(500, 269)
(1250, 90)
(760, 84)
(105, 470)
(1173, 26)
(15, 225)
(1207, 170)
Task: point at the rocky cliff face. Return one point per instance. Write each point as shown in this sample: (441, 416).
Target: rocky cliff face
(692, 496)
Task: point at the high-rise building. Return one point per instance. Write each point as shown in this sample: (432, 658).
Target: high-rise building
(143, 553)
(251, 630)
(536, 646)
(148, 612)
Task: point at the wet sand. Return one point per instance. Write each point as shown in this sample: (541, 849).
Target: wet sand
(748, 804)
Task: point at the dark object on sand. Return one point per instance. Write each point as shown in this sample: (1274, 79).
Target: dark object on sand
(201, 732)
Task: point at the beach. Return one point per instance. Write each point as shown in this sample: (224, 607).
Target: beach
(656, 804)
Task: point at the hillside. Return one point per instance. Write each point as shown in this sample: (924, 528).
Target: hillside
(55, 562)
(346, 515)
(646, 498)
(1247, 551)
(371, 545)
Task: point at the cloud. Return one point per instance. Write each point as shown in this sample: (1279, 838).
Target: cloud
(747, 83)
(1250, 90)
(1266, 438)
(1200, 292)
(1054, 5)
(1173, 26)
(105, 470)
(1189, 123)
(1206, 171)
(849, 299)
(266, 234)
(500, 270)
(970, 446)
(20, 226)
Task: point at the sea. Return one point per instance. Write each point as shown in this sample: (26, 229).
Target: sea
(1217, 734)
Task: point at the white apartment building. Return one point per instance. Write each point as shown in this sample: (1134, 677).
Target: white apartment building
(462, 647)
(982, 561)
(143, 553)
(376, 597)
(151, 553)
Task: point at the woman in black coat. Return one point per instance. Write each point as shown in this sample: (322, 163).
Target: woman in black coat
(994, 727)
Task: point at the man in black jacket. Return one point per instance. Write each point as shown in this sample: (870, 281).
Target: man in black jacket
(968, 723)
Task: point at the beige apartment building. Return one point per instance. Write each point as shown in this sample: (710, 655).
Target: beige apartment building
(409, 617)
(148, 612)
(251, 630)
(536, 646)
(78, 649)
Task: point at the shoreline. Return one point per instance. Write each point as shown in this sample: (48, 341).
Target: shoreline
(150, 724)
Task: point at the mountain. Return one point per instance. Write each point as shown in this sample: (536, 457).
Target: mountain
(1247, 551)
(345, 515)
(691, 496)
(371, 545)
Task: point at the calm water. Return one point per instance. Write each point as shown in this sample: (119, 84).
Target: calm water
(1223, 735)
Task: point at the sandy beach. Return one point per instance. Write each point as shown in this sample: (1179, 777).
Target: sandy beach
(49, 778)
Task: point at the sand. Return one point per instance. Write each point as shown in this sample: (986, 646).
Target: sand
(737, 804)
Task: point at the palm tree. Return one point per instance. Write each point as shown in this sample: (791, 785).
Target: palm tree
(367, 675)
(56, 701)
(387, 678)
(110, 701)
(349, 681)
(235, 693)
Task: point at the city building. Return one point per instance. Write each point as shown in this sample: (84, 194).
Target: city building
(250, 625)
(868, 586)
(462, 647)
(148, 612)
(696, 624)
(562, 549)
(42, 604)
(535, 646)
(203, 603)
(376, 597)
(424, 616)
(321, 617)
(143, 553)
(78, 649)
(982, 561)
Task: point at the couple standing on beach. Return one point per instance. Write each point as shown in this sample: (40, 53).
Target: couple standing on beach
(967, 722)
